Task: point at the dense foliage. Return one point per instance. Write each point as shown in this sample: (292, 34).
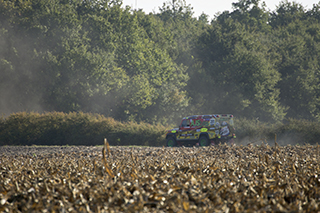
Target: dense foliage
(101, 57)
(57, 128)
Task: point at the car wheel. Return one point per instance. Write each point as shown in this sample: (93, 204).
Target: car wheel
(171, 142)
(203, 141)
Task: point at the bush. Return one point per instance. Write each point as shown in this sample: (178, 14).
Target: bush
(57, 128)
(290, 131)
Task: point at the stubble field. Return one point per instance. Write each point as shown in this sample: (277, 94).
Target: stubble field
(220, 178)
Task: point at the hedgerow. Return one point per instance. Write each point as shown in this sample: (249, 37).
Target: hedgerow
(57, 128)
(77, 128)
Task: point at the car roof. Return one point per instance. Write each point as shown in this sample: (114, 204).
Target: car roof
(208, 116)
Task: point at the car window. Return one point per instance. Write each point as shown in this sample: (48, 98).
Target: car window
(185, 123)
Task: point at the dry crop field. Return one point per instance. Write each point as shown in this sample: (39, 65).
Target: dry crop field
(220, 178)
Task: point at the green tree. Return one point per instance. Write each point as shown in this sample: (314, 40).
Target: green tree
(138, 45)
(250, 13)
(286, 13)
(236, 73)
(20, 82)
(297, 43)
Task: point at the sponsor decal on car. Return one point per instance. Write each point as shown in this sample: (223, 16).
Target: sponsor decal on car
(224, 131)
(203, 130)
(186, 135)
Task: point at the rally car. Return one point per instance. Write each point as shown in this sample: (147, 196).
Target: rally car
(202, 130)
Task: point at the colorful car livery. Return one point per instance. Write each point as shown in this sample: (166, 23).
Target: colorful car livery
(202, 130)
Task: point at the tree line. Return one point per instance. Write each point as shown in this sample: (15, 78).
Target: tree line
(102, 57)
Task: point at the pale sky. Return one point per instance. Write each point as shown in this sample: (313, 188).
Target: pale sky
(209, 7)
